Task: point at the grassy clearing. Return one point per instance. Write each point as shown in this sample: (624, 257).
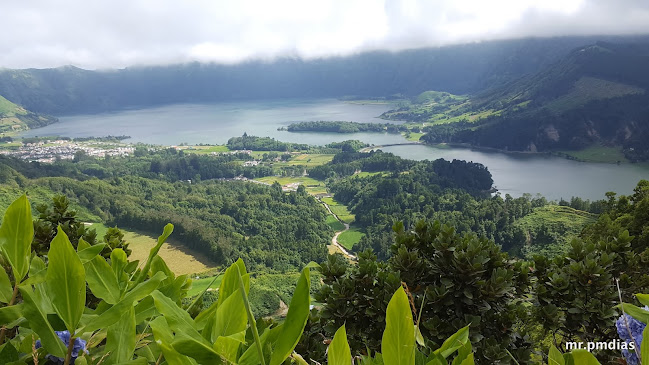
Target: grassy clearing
(413, 136)
(306, 159)
(205, 150)
(312, 185)
(597, 153)
(334, 223)
(181, 260)
(198, 285)
(350, 237)
(340, 210)
(552, 223)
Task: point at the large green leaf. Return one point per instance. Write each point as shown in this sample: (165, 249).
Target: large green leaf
(230, 317)
(66, 281)
(199, 350)
(114, 313)
(87, 252)
(120, 340)
(169, 228)
(583, 357)
(251, 354)
(8, 353)
(463, 353)
(644, 347)
(6, 290)
(38, 322)
(101, 280)
(453, 343)
(178, 319)
(37, 272)
(293, 326)
(555, 357)
(16, 234)
(339, 352)
(643, 298)
(228, 347)
(398, 342)
(635, 312)
(163, 335)
(10, 313)
(469, 360)
(230, 282)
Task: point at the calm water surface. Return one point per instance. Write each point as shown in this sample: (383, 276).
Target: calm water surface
(215, 123)
(551, 176)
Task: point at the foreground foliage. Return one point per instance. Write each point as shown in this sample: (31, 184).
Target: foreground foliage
(141, 319)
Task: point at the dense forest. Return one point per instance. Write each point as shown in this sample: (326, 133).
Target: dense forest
(224, 219)
(455, 279)
(465, 256)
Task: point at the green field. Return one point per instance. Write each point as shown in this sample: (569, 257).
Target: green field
(340, 210)
(198, 285)
(205, 150)
(413, 136)
(181, 260)
(597, 153)
(312, 185)
(350, 237)
(306, 159)
(334, 223)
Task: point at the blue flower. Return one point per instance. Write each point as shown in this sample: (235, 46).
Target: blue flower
(635, 327)
(79, 346)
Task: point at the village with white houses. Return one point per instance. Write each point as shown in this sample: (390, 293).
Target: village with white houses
(49, 150)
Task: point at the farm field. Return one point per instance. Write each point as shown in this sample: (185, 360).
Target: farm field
(350, 237)
(340, 210)
(181, 260)
(312, 185)
(306, 159)
(204, 150)
(334, 223)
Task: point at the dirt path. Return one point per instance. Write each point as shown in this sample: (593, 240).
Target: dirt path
(334, 240)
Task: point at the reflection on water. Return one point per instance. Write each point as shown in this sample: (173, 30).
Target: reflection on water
(551, 176)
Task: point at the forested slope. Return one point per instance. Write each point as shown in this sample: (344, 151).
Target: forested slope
(595, 95)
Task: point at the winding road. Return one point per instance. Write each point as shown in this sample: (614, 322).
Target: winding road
(334, 240)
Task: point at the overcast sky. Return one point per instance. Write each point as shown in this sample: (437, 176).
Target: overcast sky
(119, 33)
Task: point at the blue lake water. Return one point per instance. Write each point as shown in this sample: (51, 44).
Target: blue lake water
(215, 123)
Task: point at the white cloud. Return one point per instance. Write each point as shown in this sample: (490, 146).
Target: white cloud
(119, 33)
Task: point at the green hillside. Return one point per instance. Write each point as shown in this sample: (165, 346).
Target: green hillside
(14, 118)
(549, 229)
(595, 96)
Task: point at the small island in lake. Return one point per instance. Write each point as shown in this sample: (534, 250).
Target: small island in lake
(343, 127)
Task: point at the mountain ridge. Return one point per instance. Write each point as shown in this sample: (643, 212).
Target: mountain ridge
(597, 94)
(458, 69)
